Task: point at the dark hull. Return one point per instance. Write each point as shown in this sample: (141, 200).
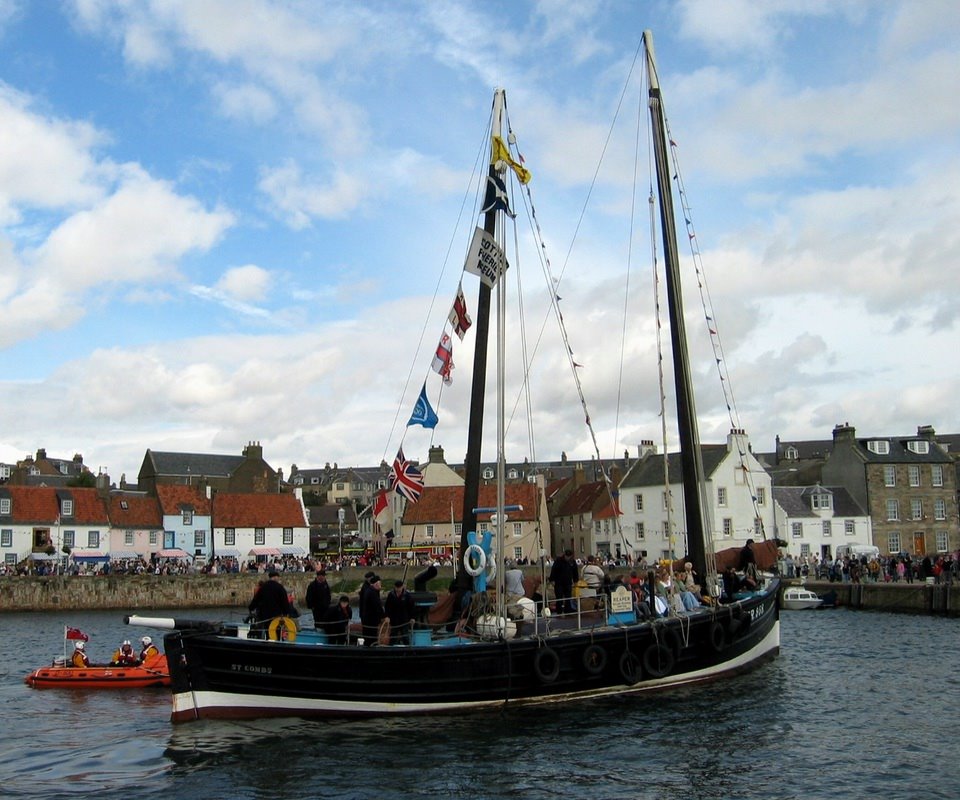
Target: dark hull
(217, 675)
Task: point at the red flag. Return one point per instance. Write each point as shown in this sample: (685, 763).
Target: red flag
(443, 359)
(382, 512)
(459, 318)
(75, 634)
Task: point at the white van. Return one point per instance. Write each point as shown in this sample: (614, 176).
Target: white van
(858, 551)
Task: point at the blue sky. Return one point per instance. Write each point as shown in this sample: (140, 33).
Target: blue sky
(226, 221)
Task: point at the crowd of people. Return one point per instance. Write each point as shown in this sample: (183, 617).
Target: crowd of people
(883, 569)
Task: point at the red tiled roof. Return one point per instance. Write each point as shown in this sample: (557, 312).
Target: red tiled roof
(555, 486)
(583, 499)
(40, 504)
(435, 502)
(140, 512)
(251, 510)
(173, 496)
(88, 506)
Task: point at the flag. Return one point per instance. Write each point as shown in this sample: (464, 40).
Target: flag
(75, 634)
(500, 152)
(496, 197)
(485, 258)
(405, 478)
(443, 360)
(459, 318)
(423, 413)
(382, 512)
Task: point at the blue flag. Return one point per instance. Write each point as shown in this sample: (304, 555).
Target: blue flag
(496, 197)
(423, 413)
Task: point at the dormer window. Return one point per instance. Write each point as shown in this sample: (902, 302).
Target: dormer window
(513, 474)
(66, 508)
(488, 473)
(791, 453)
(919, 446)
(820, 500)
(187, 516)
(879, 446)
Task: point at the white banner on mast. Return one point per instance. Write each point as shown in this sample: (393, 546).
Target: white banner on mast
(485, 258)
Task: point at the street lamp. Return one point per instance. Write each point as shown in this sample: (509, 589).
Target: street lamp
(341, 516)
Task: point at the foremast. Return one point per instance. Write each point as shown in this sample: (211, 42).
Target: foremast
(471, 489)
(691, 459)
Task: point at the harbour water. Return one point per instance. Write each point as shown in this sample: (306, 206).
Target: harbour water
(858, 703)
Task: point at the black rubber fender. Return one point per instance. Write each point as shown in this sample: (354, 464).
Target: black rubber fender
(546, 665)
(658, 660)
(594, 659)
(717, 637)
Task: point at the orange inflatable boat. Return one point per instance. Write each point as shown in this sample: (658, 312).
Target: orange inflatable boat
(152, 672)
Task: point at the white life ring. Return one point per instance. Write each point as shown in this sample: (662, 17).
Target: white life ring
(474, 553)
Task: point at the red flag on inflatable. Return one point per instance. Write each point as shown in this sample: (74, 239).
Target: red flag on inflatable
(75, 634)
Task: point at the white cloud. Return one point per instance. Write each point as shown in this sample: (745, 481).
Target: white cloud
(248, 282)
(299, 200)
(246, 101)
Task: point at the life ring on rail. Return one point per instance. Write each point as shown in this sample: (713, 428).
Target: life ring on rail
(546, 665)
(594, 659)
(630, 668)
(658, 660)
(717, 637)
(474, 560)
(282, 629)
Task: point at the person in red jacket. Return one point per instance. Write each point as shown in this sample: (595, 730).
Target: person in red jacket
(79, 657)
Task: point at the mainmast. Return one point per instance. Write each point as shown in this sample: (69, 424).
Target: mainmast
(691, 459)
(471, 489)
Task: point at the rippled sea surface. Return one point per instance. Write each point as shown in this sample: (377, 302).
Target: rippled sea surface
(857, 704)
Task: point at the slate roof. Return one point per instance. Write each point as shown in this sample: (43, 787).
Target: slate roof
(649, 470)
(329, 514)
(795, 501)
(175, 497)
(257, 511)
(435, 503)
(899, 453)
(193, 464)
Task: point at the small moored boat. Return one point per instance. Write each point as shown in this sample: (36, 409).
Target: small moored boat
(797, 598)
(152, 672)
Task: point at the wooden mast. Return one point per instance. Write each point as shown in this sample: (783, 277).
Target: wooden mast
(691, 458)
(471, 489)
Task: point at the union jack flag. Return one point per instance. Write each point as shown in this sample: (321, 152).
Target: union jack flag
(405, 478)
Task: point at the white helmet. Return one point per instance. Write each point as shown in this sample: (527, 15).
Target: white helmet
(146, 641)
(126, 643)
(79, 645)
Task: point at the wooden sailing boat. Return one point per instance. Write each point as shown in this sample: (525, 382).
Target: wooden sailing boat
(217, 673)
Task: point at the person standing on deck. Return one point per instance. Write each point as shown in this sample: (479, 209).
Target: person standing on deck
(318, 598)
(371, 611)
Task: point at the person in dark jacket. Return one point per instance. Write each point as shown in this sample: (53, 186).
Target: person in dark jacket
(563, 575)
(371, 610)
(400, 609)
(337, 621)
(318, 598)
(269, 602)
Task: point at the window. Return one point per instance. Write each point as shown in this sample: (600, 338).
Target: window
(288, 535)
(596, 526)
(66, 508)
(339, 487)
(939, 508)
(513, 474)
(936, 475)
(893, 541)
(757, 527)
(639, 502)
(69, 538)
(488, 473)
(796, 530)
(665, 500)
(889, 475)
(93, 538)
(6, 537)
(259, 536)
(943, 541)
(913, 473)
(314, 480)
(761, 495)
(458, 528)
(721, 496)
(199, 538)
(827, 528)
(517, 530)
(666, 529)
(4, 505)
(921, 446)
(916, 508)
(893, 511)
(10, 559)
(879, 446)
(848, 527)
(482, 527)
(727, 526)
(805, 549)
(230, 536)
(187, 516)
(382, 483)
(791, 453)
(429, 531)
(128, 538)
(640, 532)
(517, 553)
(821, 500)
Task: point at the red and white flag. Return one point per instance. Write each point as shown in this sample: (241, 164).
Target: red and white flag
(74, 634)
(382, 513)
(443, 359)
(459, 318)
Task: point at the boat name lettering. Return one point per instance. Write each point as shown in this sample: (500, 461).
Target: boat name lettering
(251, 668)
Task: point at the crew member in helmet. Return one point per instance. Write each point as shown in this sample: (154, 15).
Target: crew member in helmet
(149, 650)
(124, 655)
(79, 657)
